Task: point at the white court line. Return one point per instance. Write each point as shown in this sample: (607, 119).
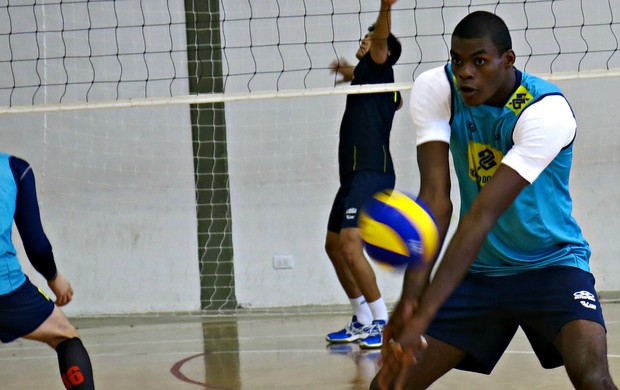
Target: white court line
(40, 346)
(48, 353)
(613, 356)
(186, 353)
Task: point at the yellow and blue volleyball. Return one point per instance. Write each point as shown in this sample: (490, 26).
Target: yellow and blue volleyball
(398, 230)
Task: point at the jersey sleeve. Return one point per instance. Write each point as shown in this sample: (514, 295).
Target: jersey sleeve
(542, 131)
(430, 106)
(28, 221)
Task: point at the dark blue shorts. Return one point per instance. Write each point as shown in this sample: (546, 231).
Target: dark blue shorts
(22, 311)
(355, 189)
(483, 314)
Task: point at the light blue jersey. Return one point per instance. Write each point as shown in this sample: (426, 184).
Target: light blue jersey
(538, 230)
(11, 274)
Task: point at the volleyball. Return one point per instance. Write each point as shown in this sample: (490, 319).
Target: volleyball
(398, 230)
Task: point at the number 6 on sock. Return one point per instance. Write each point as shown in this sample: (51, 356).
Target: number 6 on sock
(72, 377)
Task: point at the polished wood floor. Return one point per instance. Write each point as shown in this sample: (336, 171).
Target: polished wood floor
(254, 352)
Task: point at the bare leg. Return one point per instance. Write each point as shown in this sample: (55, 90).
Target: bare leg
(353, 254)
(73, 360)
(437, 360)
(343, 271)
(583, 346)
(54, 330)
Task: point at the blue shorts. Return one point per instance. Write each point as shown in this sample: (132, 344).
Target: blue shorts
(355, 190)
(23, 311)
(483, 314)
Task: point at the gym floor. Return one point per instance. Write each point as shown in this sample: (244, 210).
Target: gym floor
(252, 351)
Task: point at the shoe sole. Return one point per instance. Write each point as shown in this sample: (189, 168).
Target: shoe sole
(349, 340)
(370, 346)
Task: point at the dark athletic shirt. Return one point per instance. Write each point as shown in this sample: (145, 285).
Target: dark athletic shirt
(367, 121)
(28, 220)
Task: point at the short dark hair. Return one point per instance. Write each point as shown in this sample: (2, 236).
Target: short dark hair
(393, 44)
(480, 24)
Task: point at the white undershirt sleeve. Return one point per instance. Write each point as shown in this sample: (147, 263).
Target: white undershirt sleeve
(429, 106)
(541, 132)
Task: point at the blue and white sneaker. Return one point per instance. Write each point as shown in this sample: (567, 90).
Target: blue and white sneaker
(375, 336)
(352, 332)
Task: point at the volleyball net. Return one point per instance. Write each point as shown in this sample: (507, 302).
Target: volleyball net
(66, 55)
(181, 138)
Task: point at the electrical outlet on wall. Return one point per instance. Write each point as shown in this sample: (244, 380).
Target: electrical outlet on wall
(281, 261)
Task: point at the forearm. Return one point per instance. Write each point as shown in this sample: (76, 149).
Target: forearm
(346, 72)
(472, 231)
(383, 24)
(44, 263)
(435, 184)
(28, 221)
(417, 278)
(457, 259)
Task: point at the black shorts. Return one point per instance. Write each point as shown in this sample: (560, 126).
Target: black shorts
(355, 190)
(483, 314)
(23, 311)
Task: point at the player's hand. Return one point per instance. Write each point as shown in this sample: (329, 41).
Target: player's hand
(335, 65)
(401, 314)
(402, 343)
(342, 67)
(389, 2)
(398, 357)
(61, 288)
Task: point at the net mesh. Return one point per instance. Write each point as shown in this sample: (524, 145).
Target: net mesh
(142, 120)
(69, 52)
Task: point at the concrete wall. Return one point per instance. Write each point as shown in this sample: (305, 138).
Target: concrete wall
(283, 172)
(116, 192)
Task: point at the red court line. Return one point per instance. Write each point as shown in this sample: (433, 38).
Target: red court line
(175, 370)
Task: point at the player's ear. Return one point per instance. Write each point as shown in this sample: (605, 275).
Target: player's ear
(510, 58)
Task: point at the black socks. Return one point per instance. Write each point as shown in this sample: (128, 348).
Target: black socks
(74, 363)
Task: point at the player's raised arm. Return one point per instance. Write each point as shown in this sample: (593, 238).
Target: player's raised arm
(379, 49)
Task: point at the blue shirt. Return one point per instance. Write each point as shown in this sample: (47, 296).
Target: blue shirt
(538, 229)
(18, 202)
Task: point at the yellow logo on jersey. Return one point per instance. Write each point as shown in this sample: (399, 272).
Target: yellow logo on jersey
(519, 100)
(483, 162)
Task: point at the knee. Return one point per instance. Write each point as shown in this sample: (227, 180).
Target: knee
(64, 331)
(351, 247)
(353, 253)
(59, 338)
(71, 332)
(590, 376)
(332, 249)
(342, 250)
(594, 380)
